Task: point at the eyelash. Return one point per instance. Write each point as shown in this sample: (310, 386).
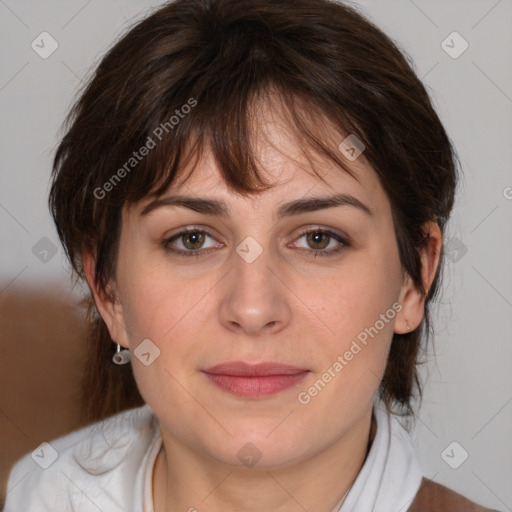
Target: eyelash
(311, 252)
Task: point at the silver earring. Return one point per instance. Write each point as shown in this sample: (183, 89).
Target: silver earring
(121, 356)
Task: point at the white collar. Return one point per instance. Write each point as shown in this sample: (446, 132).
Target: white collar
(388, 480)
(391, 475)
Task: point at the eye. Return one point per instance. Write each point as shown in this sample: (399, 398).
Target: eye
(320, 240)
(191, 239)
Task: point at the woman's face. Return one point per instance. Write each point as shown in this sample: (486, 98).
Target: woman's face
(256, 293)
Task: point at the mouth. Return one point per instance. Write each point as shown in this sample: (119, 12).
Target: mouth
(254, 380)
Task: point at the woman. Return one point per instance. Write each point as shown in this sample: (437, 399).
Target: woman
(256, 194)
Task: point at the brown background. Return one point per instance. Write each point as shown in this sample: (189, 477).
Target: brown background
(42, 341)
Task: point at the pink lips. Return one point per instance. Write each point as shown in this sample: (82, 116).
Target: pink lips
(254, 380)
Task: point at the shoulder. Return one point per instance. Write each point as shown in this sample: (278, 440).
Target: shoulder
(432, 496)
(93, 467)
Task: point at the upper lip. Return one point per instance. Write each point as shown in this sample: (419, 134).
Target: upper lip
(242, 369)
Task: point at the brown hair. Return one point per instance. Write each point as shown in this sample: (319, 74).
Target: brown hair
(324, 59)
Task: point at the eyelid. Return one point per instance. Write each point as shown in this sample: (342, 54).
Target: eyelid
(343, 244)
(343, 240)
(327, 230)
(189, 229)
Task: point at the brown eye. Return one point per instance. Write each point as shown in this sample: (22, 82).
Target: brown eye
(317, 239)
(189, 242)
(193, 239)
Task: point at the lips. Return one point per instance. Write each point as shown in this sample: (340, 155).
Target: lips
(254, 380)
(241, 369)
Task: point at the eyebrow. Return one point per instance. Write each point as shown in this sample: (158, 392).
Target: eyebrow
(220, 209)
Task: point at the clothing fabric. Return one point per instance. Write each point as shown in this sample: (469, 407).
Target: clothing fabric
(391, 474)
(108, 466)
(104, 466)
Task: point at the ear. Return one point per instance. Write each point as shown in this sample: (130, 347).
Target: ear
(413, 303)
(107, 302)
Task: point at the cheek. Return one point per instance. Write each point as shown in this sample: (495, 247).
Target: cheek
(355, 296)
(168, 311)
(354, 354)
(162, 306)
(358, 307)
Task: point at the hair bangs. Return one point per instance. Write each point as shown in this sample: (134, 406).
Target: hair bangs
(232, 134)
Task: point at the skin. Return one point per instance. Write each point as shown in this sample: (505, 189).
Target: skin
(285, 306)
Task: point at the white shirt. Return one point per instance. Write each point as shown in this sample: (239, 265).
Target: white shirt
(108, 467)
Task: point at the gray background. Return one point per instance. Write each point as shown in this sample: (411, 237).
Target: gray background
(468, 396)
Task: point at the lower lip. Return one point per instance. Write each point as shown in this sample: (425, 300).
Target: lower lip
(255, 387)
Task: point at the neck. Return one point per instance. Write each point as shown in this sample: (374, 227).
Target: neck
(184, 479)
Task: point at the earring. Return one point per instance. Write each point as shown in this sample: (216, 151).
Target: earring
(408, 327)
(121, 357)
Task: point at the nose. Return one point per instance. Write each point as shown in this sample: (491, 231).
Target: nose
(255, 298)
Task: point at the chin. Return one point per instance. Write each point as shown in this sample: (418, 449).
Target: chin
(259, 451)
